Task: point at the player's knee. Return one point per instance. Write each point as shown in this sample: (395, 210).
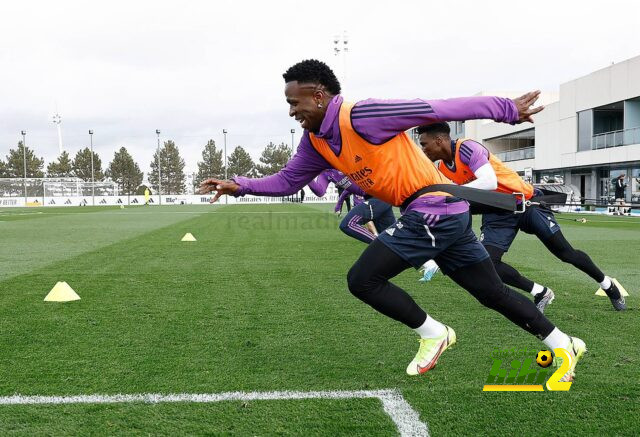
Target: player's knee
(344, 226)
(507, 273)
(493, 294)
(495, 254)
(566, 254)
(357, 280)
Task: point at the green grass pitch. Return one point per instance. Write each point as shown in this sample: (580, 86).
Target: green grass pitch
(259, 303)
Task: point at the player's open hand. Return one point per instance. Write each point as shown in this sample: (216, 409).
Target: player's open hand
(219, 186)
(524, 104)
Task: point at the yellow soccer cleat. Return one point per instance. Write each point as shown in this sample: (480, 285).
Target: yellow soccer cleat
(429, 352)
(577, 348)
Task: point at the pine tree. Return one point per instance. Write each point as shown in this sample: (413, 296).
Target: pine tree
(273, 158)
(3, 170)
(241, 164)
(171, 170)
(124, 171)
(62, 168)
(14, 167)
(82, 165)
(211, 165)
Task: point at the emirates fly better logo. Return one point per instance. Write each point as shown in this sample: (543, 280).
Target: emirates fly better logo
(528, 370)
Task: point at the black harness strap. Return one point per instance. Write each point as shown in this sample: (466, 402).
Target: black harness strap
(490, 198)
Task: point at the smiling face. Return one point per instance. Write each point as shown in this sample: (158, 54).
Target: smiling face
(307, 104)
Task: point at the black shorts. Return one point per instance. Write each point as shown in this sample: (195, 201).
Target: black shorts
(499, 229)
(448, 239)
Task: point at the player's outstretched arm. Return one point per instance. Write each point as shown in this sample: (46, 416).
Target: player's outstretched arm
(524, 105)
(220, 186)
(379, 120)
(303, 167)
(319, 185)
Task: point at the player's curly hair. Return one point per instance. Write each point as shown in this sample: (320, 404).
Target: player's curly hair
(434, 129)
(313, 71)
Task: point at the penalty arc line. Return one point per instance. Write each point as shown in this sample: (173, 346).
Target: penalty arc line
(399, 410)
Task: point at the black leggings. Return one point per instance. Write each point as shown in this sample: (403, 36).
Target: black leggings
(508, 274)
(557, 245)
(368, 280)
(561, 248)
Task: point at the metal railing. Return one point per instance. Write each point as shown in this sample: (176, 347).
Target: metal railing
(517, 154)
(616, 138)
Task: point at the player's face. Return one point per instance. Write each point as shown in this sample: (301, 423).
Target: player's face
(431, 146)
(303, 100)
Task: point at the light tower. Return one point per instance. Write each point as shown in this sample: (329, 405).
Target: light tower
(293, 131)
(24, 158)
(159, 171)
(224, 131)
(57, 120)
(93, 181)
(341, 46)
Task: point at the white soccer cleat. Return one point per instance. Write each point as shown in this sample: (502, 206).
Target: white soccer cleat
(429, 269)
(429, 352)
(543, 299)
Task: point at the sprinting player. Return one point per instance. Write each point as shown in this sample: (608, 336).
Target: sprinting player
(370, 210)
(367, 142)
(368, 216)
(467, 162)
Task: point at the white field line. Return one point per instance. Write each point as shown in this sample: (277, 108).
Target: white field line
(405, 418)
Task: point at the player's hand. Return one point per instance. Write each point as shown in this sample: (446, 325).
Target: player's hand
(219, 186)
(338, 213)
(524, 103)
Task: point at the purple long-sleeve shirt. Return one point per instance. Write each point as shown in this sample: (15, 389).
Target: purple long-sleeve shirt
(377, 121)
(319, 186)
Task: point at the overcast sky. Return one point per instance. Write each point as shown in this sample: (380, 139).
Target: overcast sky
(192, 68)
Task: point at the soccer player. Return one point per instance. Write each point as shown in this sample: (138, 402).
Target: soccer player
(370, 210)
(367, 142)
(467, 162)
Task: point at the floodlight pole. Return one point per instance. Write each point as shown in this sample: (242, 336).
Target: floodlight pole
(159, 170)
(24, 158)
(293, 131)
(57, 120)
(344, 39)
(224, 131)
(93, 182)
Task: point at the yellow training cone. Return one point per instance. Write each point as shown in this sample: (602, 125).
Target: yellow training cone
(623, 292)
(188, 237)
(61, 292)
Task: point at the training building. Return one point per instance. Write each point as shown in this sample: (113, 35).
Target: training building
(587, 135)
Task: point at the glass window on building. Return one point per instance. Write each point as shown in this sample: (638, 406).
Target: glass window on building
(550, 178)
(613, 177)
(635, 185)
(585, 130)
